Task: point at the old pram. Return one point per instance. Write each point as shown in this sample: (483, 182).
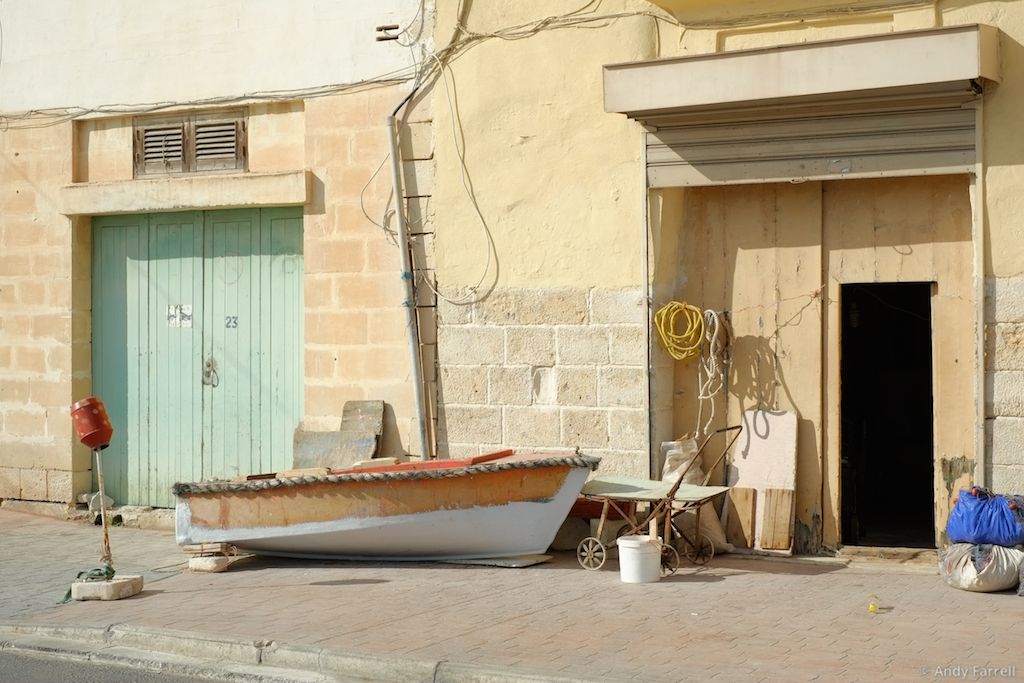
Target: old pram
(666, 501)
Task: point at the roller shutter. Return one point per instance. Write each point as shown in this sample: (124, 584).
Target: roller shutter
(911, 132)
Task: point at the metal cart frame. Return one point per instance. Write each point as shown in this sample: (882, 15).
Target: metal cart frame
(665, 506)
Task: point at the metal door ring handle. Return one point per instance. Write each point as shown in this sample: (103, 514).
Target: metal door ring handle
(210, 376)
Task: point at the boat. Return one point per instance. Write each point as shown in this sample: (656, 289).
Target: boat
(502, 504)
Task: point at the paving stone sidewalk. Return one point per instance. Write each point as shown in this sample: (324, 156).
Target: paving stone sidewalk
(42, 556)
(739, 619)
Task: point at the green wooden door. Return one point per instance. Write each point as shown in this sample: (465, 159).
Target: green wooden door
(252, 354)
(197, 345)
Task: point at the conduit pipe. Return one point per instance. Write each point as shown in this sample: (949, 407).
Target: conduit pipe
(407, 281)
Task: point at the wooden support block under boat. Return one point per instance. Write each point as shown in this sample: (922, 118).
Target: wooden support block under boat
(210, 549)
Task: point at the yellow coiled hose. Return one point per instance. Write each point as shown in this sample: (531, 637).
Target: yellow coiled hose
(687, 344)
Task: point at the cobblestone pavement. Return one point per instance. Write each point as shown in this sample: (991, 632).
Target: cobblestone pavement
(739, 619)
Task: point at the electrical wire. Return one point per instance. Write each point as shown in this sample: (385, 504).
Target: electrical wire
(584, 16)
(388, 209)
(473, 293)
(436, 65)
(420, 15)
(44, 118)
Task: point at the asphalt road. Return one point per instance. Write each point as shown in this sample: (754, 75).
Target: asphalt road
(23, 668)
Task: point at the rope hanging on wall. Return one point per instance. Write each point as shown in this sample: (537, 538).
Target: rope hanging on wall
(688, 343)
(706, 336)
(713, 369)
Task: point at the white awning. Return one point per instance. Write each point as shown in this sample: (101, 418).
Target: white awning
(807, 70)
(895, 104)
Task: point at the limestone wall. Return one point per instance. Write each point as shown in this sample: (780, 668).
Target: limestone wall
(42, 290)
(355, 327)
(553, 352)
(546, 368)
(1004, 382)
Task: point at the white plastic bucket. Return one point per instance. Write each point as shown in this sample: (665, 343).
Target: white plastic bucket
(639, 559)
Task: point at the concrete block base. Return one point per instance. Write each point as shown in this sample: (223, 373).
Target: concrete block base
(117, 588)
(213, 563)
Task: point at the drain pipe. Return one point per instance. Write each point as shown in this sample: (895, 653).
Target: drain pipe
(979, 237)
(407, 280)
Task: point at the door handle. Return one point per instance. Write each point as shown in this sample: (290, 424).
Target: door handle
(210, 376)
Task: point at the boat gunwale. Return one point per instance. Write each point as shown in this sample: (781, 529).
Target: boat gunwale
(183, 490)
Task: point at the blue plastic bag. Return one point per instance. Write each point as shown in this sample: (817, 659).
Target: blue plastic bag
(981, 517)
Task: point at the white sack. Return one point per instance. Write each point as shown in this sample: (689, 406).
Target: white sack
(1001, 572)
(678, 456)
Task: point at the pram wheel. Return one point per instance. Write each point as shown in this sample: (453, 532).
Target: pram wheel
(701, 550)
(669, 559)
(591, 553)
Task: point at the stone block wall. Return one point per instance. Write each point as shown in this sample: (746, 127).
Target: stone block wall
(355, 326)
(356, 332)
(1004, 383)
(546, 368)
(41, 286)
(354, 323)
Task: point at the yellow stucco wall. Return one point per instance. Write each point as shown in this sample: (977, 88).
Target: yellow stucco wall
(556, 177)
(558, 181)
(1003, 143)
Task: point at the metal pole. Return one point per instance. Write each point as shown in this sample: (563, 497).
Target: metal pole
(407, 282)
(105, 557)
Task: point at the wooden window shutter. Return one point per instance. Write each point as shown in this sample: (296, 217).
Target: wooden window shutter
(219, 143)
(160, 147)
(191, 144)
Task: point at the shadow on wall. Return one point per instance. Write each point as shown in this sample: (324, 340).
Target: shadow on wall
(391, 436)
(755, 375)
(317, 202)
(757, 380)
(443, 439)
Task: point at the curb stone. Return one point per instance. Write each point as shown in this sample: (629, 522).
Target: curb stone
(193, 667)
(246, 660)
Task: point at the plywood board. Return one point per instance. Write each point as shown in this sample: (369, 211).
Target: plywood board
(765, 458)
(362, 423)
(740, 516)
(777, 519)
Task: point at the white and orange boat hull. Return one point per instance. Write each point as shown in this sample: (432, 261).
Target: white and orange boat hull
(479, 508)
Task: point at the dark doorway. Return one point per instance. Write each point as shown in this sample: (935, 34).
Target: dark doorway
(886, 410)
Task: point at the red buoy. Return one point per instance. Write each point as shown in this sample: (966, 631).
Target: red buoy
(92, 423)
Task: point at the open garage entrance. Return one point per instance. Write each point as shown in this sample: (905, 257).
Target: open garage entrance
(887, 415)
(769, 196)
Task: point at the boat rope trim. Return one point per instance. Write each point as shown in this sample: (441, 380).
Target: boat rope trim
(306, 480)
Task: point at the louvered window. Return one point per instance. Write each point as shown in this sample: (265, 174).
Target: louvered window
(190, 144)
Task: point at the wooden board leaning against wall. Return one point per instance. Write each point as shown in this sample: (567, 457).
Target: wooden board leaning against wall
(776, 256)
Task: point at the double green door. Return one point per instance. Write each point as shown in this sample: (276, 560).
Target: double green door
(197, 345)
